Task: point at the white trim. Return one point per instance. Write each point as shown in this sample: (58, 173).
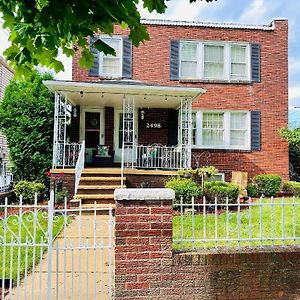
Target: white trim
(227, 115)
(83, 110)
(118, 151)
(268, 27)
(101, 56)
(200, 74)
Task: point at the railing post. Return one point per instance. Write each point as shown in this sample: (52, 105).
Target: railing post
(50, 246)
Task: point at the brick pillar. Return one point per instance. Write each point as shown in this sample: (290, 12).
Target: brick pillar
(143, 254)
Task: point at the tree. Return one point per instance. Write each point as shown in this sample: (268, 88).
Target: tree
(26, 120)
(293, 138)
(38, 28)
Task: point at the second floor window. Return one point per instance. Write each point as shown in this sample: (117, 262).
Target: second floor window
(214, 60)
(109, 65)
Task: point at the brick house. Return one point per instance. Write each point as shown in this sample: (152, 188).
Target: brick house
(194, 94)
(6, 75)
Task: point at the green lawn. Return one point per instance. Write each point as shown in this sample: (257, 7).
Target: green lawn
(280, 222)
(24, 257)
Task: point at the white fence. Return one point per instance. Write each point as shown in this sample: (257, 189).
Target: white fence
(56, 253)
(65, 154)
(222, 224)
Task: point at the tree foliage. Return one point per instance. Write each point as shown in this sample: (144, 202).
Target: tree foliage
(293, 138)
(38, 28)
(26, 120)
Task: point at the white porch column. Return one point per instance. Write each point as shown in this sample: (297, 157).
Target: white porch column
(59, 134)
(128, 152)
(186, 133)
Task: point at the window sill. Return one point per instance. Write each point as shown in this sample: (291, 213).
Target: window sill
(214, 81)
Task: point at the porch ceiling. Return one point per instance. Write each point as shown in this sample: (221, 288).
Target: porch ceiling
(111, 93)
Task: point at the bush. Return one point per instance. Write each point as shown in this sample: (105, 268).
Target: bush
(61, 195)
(267, 184)
(28, 189)
(185, 188)
(221, 191)
(292, 187)
(252, 191)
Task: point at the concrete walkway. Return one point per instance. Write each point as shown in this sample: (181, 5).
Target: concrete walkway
(79, 270)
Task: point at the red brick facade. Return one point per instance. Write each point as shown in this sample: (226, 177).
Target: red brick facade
(147, 268)
(270, 96)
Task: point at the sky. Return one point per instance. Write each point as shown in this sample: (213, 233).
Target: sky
(245, 12)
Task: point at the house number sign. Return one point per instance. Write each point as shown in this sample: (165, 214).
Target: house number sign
(153, 125)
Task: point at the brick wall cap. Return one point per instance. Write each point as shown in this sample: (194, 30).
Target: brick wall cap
(144, 194)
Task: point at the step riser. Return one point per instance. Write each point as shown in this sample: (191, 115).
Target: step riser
(99, 182)
(100, 174)
(92, 191)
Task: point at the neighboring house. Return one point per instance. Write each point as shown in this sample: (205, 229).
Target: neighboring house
(194, 94)
(6, 74)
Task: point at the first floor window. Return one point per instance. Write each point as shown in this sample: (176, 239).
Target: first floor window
(212, 129)
(221, 130)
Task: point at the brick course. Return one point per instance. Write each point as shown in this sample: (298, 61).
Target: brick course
(147, 268)
(270, 96)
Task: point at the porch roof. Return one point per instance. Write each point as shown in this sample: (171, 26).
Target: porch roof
(111, 93)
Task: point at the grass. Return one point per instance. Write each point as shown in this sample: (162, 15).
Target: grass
(285, 220)
(23, 253)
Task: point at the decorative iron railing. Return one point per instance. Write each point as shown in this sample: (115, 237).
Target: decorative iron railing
(158, 156)
(79, 165)
(222, 223)
(66, 155)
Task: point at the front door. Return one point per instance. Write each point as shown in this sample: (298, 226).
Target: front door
(118, 136)
(92, 130)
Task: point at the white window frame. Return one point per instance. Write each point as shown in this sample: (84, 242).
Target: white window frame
(198, 69)
(227, 129)
(227, 60)
(102, 55)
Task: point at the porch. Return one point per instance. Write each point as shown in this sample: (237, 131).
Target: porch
(125, 124)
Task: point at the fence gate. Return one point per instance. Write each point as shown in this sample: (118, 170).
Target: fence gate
(56, 253)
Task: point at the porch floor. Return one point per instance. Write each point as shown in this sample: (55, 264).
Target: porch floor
(116, 171)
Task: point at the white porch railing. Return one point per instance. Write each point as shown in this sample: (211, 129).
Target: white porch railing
(158, 156)
(79, 165)
(66, 155)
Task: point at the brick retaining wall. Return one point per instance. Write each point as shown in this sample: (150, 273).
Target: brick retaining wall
(147, 268)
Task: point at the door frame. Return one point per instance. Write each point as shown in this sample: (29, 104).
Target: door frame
(83, 110)
(118, 151)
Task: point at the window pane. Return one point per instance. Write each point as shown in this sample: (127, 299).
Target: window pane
(111, 66)
(238, 62)
(213, 61)
(238, 54)
(189, 51)
(213, 129)
(188, 69)
(238, 129)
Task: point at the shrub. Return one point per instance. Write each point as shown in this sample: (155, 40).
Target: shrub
(267, 184)
(292, 187)
(252, 190)
(28, 189)
(221, 191)
(61, 195)
(185, 188)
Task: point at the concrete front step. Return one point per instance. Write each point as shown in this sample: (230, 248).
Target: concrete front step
(97, 189)
(96, 180)
(94, 197)
(91, 208)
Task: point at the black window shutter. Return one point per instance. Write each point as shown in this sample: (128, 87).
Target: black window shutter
(255, 130)
(255, 62)
(94, 71)
(174, 60)
(127, 58)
